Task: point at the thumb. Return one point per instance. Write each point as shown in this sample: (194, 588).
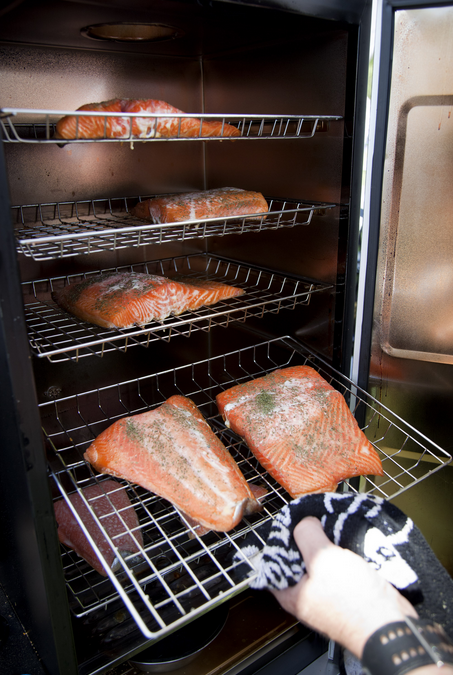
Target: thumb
(310, 539)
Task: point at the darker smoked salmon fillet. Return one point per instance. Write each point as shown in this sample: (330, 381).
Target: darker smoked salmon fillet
(126, 299)
(300, 429)
(73, 127)
(112, 506)
(199, 205)
(173, 452)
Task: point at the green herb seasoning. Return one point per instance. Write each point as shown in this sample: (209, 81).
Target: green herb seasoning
(265, 402)
(134, 432)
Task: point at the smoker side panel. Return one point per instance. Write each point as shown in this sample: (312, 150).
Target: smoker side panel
(31, 572)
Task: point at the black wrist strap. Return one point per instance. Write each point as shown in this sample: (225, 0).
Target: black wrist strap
(402, 646)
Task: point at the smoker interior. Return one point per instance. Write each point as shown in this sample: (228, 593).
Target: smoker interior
(177, 576)
(288, 81)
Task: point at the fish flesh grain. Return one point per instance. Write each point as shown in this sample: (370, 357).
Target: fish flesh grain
(300, 429)
(173, 452)
(206, 292)
(73, 127)
(217, 203)
(127, 299)
(111, 504)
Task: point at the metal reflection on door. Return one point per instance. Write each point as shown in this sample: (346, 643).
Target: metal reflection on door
(415, 282)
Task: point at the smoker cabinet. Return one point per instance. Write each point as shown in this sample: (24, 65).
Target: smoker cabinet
(292, 78)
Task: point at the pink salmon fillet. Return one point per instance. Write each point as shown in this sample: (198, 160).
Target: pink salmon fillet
(111, 504)
(127, 299)
(173, 452)
(300, 429)
(200, 205)
(73, 127)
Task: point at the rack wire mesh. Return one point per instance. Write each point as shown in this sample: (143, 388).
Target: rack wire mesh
(60, 230)
(26, 125)
(176, 574)
(55, 334)
(124, 669)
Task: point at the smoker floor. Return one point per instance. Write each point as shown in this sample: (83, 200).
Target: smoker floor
(256, 624)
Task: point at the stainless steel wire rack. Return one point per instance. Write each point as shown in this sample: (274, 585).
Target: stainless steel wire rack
(26, 125)
(60, 230)
(178, 575)
(124, 669)
(59, 336)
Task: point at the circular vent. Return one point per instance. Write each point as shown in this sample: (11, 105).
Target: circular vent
(131, 32)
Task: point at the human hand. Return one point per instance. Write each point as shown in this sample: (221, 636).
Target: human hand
(341, 595)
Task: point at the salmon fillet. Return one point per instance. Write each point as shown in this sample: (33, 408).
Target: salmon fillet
(73, 126)
(199, 205)
(173, 452)
(300, 429)
(112, 506)
(126, 299)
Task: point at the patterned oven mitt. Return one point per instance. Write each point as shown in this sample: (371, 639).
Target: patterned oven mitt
(371, 527)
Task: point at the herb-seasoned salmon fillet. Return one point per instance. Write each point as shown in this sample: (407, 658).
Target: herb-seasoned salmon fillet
(199, 205)
(300, 429)
(173, 452)
(118, 519)
(126, 299)
(73, 127)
